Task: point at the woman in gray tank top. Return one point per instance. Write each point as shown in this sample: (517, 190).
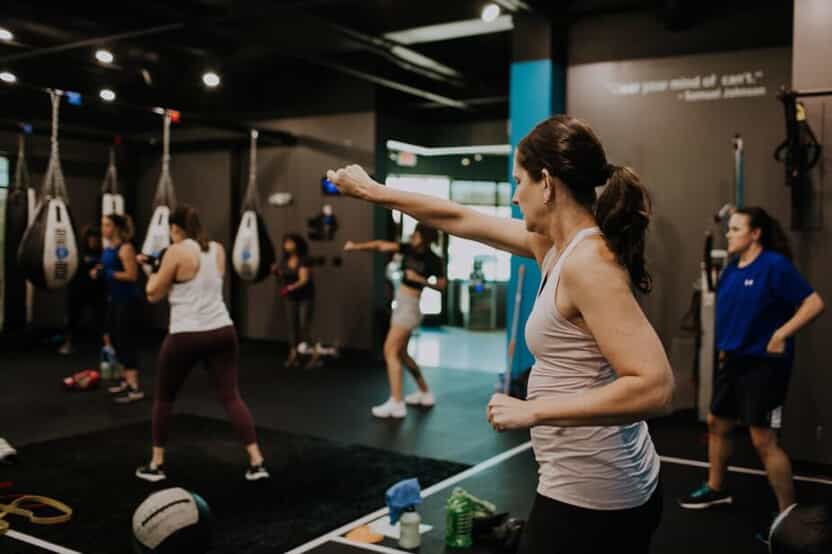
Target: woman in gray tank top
(600, 369)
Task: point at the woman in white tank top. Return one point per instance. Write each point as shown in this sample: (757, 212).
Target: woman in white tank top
(190, 273)
(600, 368)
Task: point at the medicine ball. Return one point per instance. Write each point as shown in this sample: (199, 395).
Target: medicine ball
(802, 529)
(173, 521)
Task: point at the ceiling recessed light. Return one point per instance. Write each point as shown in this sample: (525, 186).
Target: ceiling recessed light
(107, 95)
(8, 77)
(104, 56)
(211, 79)
(5, 34)
(490, 12)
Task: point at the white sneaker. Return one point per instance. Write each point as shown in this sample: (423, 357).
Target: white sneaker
(419, 398)
(391, 408)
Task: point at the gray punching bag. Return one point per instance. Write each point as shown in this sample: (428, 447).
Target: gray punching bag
(157, 237)
(48, 252)
(253, 253)
(112, 202)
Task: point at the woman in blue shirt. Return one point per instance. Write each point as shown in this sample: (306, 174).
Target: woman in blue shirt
(119, 270)
(762, 302)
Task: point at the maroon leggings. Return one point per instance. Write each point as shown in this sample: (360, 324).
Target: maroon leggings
(219, 351)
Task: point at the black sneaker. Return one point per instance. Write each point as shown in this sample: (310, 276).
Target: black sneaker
(255, 473)
(151, 473)
(128, 395)
(705, 497)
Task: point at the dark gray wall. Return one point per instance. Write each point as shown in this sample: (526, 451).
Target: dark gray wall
(343, 294)
(809, 406)
(644, 34)
(683, 150)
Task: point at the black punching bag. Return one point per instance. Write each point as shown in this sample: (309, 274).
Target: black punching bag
(253, 253)
(48, 252)
(19, 206)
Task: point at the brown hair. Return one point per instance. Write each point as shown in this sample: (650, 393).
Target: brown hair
(569, 150)
(123, 224)
(772, 235)
(187, 218)
(429, 234)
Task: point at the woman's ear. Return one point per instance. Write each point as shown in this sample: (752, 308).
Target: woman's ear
(548, 187)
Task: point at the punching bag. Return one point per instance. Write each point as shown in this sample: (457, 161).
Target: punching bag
(158, 230)
(112, 202)
(253, 253)
(20, 196)
(48, 253)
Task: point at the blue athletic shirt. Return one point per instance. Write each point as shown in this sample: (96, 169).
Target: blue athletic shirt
(754, 301)
(120, 292)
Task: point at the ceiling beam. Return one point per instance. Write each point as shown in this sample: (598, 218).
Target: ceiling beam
(40, 52)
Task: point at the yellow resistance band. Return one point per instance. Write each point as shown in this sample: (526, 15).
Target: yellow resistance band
(15, 509)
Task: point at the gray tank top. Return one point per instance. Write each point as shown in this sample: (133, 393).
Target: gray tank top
(599, 468)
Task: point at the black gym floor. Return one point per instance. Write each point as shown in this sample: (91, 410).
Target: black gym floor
(330, 460)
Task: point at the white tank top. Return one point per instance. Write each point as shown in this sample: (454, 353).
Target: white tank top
(599, 468)
(198, 305)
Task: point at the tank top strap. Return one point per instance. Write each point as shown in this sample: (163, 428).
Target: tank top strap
(208, 261)
(552, 267)
(576, 240)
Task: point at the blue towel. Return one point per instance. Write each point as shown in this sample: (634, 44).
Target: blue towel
(401, 496)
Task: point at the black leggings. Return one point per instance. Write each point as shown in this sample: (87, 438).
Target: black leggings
(299, 319)
(558, 528)
(122, 326)
(219, 351)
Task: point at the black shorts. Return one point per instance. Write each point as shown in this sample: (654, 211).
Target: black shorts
(556, 527)
(751, 390)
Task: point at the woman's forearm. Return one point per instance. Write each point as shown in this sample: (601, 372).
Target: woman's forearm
(811, 308)
(124, 277)
(626, 400)
(152, 289)
(439, 213)
(369, 245)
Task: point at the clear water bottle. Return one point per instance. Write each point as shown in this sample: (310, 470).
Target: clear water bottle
(107, 362)
(459, 520)
(409, 536)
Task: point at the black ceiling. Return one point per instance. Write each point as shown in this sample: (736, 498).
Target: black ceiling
(271, 54)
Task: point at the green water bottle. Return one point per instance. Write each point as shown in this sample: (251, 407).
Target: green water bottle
(459, 519)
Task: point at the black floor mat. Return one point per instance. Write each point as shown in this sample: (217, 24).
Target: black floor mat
(316, 485)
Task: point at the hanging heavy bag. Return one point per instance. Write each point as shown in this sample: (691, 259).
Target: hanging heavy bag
(253, 253)
(48, 252)
(112, 202)
(158, 230)
(20, 196)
